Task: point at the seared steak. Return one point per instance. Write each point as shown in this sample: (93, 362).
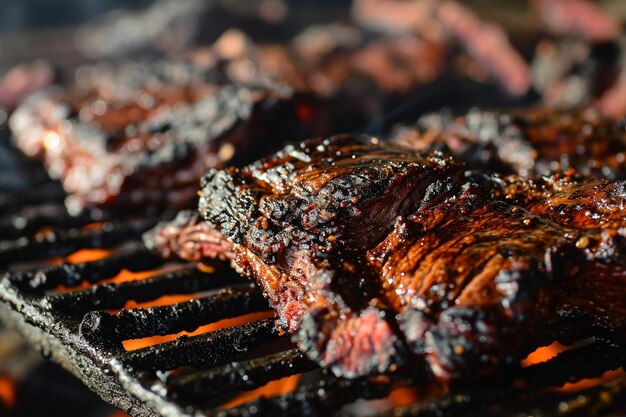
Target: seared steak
(376, 257)
(139, 136)
(529, 142)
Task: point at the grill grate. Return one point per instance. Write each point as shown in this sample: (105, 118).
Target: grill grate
(79, 315)
(84, 329)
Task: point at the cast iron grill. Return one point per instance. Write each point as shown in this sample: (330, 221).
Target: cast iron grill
(78, 316)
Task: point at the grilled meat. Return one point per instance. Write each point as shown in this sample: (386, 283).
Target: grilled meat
(285, 215)
(594, 279)
(530, 142)
(484, 273)
(139, 136)
(444, 22)
(188, 237)
(376, 257)
(465, 277)
(288, 215)
(359, 76)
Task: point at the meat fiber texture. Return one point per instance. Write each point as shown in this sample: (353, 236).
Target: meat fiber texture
(378, 258)
(138, 136)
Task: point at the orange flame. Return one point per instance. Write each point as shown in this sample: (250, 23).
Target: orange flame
(403, 396)
(543, 354)
(87, 255)
(271, 389)
(222, 324)
(118, 413)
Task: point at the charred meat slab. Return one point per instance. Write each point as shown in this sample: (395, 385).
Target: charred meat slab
(531, 142)
(288, 215)
(376, 257)
(138, 136)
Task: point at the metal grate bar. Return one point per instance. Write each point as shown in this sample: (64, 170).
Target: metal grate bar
(63, 243)
(569, 366)
(136, 259)
(32, 219)
(113, 296)
(319, 399)
(49, 192)
(198, 385)
(187, 316)
(205, 349)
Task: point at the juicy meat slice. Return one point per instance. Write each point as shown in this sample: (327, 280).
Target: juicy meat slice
(466, 276)
(297, 217)
(567, 199)
(342, 189)
(140, 136)
(376, 257)
(594, 211)
(530, 142)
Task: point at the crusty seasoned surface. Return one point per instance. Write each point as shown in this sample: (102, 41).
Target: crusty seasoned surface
(378, 258)
(295, 216)
(342, 189)
(138, 136)
(526, 142)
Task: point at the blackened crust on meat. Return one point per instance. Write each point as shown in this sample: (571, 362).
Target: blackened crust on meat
(188, 237)
(139, 137)
(531, 142)
(298, 221)
(342, 189)
(378, 258)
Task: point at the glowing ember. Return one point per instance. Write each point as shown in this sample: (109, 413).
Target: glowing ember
(119, 413)
(403, 396)
(153, 340)
(87, 255)
(7, 392)
(271, 389)
(544, 354)
(591, 382)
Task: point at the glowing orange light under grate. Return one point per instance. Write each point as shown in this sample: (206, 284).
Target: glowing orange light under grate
(273, 388)
(543, 354)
